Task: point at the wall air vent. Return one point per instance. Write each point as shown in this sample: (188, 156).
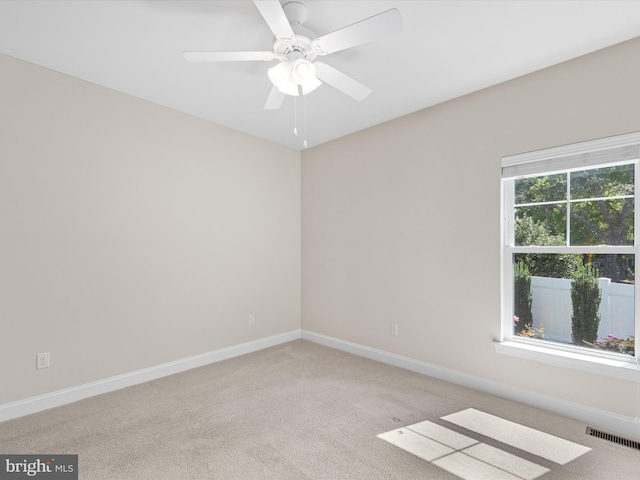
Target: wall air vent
(613, 438)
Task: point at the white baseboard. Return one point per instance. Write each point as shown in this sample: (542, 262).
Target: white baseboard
(80, 392)
(610, 422)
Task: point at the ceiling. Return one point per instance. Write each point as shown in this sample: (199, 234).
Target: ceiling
(446, 49)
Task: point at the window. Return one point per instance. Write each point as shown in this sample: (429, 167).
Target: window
(569, 248)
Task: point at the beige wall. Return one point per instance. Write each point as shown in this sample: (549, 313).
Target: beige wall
(401, 221)
(133, 235)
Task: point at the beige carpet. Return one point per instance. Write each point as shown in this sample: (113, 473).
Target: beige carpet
(304, 411)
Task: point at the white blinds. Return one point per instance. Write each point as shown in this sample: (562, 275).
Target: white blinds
(618, 149)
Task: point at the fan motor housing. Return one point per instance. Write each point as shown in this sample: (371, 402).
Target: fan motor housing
(300, 47)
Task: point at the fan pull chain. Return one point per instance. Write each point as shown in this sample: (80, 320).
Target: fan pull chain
(295, 116)
(305, 122)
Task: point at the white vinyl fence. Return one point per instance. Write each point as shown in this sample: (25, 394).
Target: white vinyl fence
(551, 308)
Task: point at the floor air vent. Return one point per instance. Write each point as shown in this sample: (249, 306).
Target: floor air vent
(613, 438)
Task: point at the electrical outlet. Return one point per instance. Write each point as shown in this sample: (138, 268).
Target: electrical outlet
(394, 329)
(43, 360)
(252, 319)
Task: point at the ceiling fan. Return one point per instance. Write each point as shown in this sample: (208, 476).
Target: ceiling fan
(296, 49)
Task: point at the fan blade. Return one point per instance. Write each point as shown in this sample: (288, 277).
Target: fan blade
(274, 15)
(340, 81)
(275, 99)
(228, 56)
(358, 33)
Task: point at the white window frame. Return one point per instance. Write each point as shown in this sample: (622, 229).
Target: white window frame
(590, 154)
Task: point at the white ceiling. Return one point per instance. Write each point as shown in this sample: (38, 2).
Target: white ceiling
(446, 49)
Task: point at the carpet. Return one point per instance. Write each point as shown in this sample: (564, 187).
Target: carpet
(304, 411)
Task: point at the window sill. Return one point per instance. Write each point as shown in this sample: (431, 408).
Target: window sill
(624, 370)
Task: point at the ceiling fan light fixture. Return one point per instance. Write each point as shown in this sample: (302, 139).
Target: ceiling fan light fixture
(302, 69)
(310, 85)
(280, 74)
(304, 74)
(289, 87)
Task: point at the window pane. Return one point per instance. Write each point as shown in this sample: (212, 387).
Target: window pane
(602, 222)
(603, 182)
(548, 188)
(541, 225)
(590, 305)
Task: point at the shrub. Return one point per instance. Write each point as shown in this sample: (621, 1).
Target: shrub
(530, 232)
(522, 298)
(585, 300)
(615, 344)
(529, 332)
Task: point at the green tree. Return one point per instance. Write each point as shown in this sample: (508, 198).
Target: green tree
(609, 221)
(585, 300)
(522, 298)
(542, 192)
(601, 210)
(530, 232)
